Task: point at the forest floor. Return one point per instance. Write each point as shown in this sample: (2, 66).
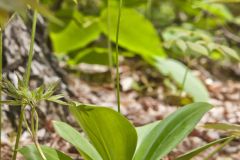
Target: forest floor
(145, 98)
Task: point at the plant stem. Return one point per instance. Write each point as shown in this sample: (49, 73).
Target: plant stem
(117, 56)
(30, 56)
(27, 77)
(219, 148)
(32, 131)
(184, 81)
(39, 149)
(1, 51)
(184, 77)
(19, 132)
(35, 136)
(110, 58)
(149, 9)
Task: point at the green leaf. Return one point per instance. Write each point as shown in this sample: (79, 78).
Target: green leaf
(197, 49)
(198, 150)
(112, 135)
(230, 52)
(91, 56)
(176, 70)
(76, 35)
(222, 126)
(77, 140)
(137, 34)
(181, 45)
(143, 131)
(30, 153)
(218, 10)
(171, 131)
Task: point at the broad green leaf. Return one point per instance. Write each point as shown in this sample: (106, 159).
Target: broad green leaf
(198, 150)
(176, 70)
(137, 34)
(77, 140)
(181, 45)
(76, 35)
(197, 49)
(30, 153)
(219, 10)
(171, 131)
(230, 52)
(143, 131)
(223, 126)
(91, 56)
(66, 16)
(112, 135)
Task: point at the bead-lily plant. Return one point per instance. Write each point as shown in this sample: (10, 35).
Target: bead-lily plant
(111, 136)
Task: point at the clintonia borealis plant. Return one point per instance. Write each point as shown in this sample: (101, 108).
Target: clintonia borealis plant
(111, 136)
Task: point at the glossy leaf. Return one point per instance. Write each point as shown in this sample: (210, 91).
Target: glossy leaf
(137, 34)
(77, 140)
(75, 36)
(30, 153)
(91, 56)
(112, 135)
(198, 150)
(176, 70)
(171, 131)
(143, 131)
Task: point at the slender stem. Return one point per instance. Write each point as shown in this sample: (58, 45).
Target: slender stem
(117, 56)
(220, 147)
(32, 121)
(110, 58)
(36, 140)
(149, 9)
(32, 131)
(27, 77)
(31, 51)
(39, 149)
(27, 126)
(19, 132)
(185, 77)
(184, 81)
(1, 92)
